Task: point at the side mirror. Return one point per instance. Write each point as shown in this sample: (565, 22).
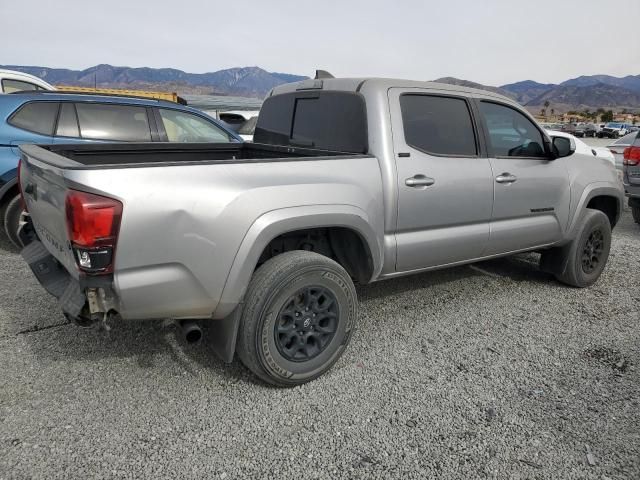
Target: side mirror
(562, 147)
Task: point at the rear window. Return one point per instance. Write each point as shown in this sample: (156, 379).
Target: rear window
(38, 117)
(9, 86)
(113, 122)
(324, 120)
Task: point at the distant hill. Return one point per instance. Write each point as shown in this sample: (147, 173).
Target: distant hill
(527, 90)
(599, 95)
(593, 91)
(575, 94)
(467, 83)
(242, 81)
(630, 82)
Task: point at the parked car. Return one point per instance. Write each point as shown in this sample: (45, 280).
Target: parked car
(12, 81)
(617, 147)
(569, 128)
(243, 122)
(349, 180)
(248, 128)
(582, 148)
(614, 130)
(586, 130)
(55, 117)
(631, 176)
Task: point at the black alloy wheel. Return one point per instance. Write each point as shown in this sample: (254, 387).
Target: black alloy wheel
(592, 251)
(306, 323)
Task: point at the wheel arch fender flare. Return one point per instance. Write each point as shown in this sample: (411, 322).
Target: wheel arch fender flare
(591, 191)
(277, 222)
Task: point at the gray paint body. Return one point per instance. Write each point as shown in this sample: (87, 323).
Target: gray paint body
(191, 235)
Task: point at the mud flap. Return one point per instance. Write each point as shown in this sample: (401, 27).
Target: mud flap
(54, 278)
(224, 334)
(555, 260)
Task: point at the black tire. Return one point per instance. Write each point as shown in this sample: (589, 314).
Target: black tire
(586, 256)
(278, 288)
(12, 219)
(635, 213)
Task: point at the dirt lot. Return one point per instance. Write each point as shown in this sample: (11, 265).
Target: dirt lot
(488, 371)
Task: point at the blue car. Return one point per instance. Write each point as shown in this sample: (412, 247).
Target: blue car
(55, 117)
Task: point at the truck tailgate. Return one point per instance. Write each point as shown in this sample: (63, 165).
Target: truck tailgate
(44, 190)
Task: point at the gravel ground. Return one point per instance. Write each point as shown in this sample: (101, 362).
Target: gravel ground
(489, 371)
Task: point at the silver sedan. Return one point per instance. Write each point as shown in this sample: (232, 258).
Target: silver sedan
(617, 147)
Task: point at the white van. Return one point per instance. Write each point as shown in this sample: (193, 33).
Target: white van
(12, 81)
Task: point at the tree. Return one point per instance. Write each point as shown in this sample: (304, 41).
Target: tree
(607, 116)
(546, 104)
(552, 112)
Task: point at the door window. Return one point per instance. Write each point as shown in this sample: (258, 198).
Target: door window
(67, 121)
(124, 123)
(438, 125)
(511, 134)
(38, 117)
(186, 127)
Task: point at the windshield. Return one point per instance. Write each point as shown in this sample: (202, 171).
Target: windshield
(614, 125)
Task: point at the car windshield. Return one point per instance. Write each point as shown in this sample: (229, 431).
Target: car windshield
(614, 125)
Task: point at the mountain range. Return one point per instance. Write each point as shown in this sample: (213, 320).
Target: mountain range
(244, 81)
(585, 92)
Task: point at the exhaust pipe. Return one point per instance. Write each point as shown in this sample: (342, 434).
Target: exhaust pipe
(191, 331)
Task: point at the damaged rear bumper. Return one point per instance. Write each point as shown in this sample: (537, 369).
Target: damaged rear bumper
(85, 299)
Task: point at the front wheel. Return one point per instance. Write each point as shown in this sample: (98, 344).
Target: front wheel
(299, 312)
(12, 220)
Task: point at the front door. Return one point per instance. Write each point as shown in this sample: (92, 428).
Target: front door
(445, 186)
(531, 192)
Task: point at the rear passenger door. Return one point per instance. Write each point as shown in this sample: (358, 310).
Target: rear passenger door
(531, 192)
(445, 187)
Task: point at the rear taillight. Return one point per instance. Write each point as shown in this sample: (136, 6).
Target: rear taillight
(93, 222)
(631, 156)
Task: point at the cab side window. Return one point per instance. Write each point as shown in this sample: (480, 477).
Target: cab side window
(438, 125)
(511, 134)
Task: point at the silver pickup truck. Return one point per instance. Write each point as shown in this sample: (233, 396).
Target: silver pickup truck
(350, 180)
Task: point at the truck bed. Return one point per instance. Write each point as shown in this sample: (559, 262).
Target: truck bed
(187, 211)
(119, 155)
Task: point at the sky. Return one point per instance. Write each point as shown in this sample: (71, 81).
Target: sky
(490, 42)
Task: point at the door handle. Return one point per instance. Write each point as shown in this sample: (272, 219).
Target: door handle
(506, 178)
(419, 181)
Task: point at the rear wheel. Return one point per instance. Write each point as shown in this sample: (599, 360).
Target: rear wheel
(12, 220)
(586, 256)
(299, 313)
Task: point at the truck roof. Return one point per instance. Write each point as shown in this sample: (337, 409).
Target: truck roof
(356, 84)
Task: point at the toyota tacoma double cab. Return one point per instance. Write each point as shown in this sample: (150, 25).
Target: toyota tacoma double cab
(348, 181)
